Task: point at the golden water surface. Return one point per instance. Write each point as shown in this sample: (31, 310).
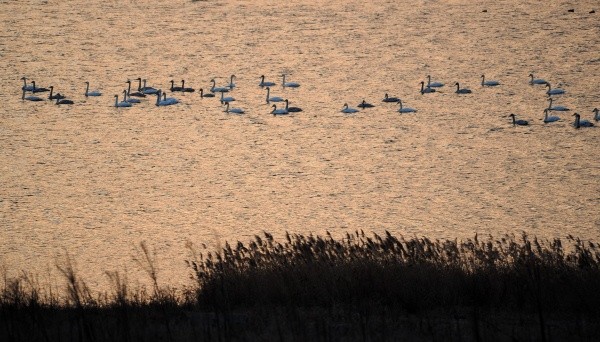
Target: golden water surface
(94, 180)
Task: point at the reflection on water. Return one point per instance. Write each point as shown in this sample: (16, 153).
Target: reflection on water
(95, 180)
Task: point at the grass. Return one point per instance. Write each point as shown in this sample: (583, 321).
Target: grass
(320, 288)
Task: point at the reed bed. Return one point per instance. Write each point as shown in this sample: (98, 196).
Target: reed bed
(310, 287)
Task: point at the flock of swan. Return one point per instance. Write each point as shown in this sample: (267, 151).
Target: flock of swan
(143, 90)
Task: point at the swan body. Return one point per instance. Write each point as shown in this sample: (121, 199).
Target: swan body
(596, 115)
(64, 101)
(25, 86)
(171, 100)
(274, 98)
(291, 109)
(226, 99)
(165, 102)
(348, 110)
(202, 94)
(233, 110)
(553, 91)
(122, 103)
(485, 83)
(186, 90)
(30, 98)
(264, 83)
(276, 111)
(433, 84)
(426, 90)
(38, 90)
(364, 104)
(548, 119)
(289, 84)
(137, 93)
(556, 108)
(145, 89)
(90, 93)
(581, 123)
(462, 91)
(405, 109)
(535, 81)
(55, 96)
(518, 122)
(173, 88)
(231, 84)
(127, 98)
(386, 98)
(216, 89)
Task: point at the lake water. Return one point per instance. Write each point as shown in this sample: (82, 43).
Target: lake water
(94, 180)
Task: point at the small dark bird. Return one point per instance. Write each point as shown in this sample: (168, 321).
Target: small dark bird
(571, 10)
(592, 11)
(484, 11)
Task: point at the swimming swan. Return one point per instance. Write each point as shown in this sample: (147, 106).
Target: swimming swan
(548, 119)
(265, 84)
(485, 83)
(553, 91)
(233, 110)
(37, 90)
(127, 98)
(433, 84)
(365, 104)
(534, 81)
(291, 109)
(348, 110)
(596, 115)
(556, 108)
(216, 89)
(226, 99)
(30, 98)
(276, 111)
(171, 100)
(90, 93)
(122, 103)
(186, 90)
(274, 98)
(173, 88)
(581, 123)
(146, 90)
(426, 90)
(137, 93)
(231, 84)
(518, 122)
(166, 102)
(386, 98)
(289, 84)
(462, 91)
(202, 94)
(405, 109)
(25, 86)
(55, 96)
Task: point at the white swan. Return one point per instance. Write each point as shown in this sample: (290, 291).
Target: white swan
(25, 86)
(265, 84)
(548, 119)
(36, 89)
(405, 109)
(365, 104)
(426, 90)
(581, 123)
(276, 111)
(127, 98)
(122, 103)
(202, 94)
(171, 100)
(30, 98)
(160, 102)
(216, 89)
(90, 93)
(145, 89)
(289, 84)
(54, 96)
(291, 109)
(518, 122)
(534, 81)
(348, 110)
(226, 99)
(556, 108)
(485, 83)
(596, 115)
(553, 91)
(387, 98)
(233, 110)
(137, 93)
(433, 84)
(462, 91)
(231, 84)
(274, 98)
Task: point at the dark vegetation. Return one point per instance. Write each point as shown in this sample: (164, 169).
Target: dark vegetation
(320, 288)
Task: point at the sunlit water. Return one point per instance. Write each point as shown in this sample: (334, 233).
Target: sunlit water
(94, 181)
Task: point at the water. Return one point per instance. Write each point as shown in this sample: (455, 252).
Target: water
(94, 181)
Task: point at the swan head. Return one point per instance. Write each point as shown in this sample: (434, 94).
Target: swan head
(595, 110)
(511, 116)
(576, 115)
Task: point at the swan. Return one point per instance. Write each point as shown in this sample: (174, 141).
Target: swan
(56, 96)
(548, 119)
(274, 98)
(63, 101)
(426, 90)
(226, 99)
(146, 90)
(202, 94)
(553, 91)
(276, 111)
(289, 84)
(485, 83)
(556, 108)
(596, 115)
(25, 86)
(405, 109)
(233, 110)
(127, 98)
(291, 109)
(137, 93)
(265, 84)
(171, 100)
(386, 98)
(581, 123)
(186, 90)
(122, 103)
(30, 98)
(90, 93)
(216, 89)
(348, 110)
(518, 122)
(462, 91)
(173, 88)
(38, 90)
(364, 104)
(160, 102)
(433, 84)
(231, 84)
(534, 81)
